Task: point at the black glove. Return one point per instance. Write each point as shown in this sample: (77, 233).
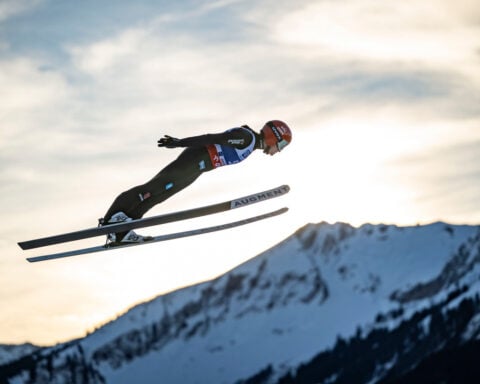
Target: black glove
(168, 142)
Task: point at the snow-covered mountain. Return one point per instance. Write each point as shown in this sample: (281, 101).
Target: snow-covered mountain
(329, 303)
(10, 353)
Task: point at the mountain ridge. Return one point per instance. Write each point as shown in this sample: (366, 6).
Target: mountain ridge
(318, 286)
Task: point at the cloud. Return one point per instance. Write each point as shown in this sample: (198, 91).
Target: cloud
(10, 8)
(430, 31)
(357, 71)
(444, 177)
(31, 101)
(163, 74)
(101, 57)
(421, 57)
(147, 74)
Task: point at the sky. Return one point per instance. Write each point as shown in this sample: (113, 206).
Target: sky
(383, 99)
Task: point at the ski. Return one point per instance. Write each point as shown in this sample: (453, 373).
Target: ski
(156, 220)
(156, 239)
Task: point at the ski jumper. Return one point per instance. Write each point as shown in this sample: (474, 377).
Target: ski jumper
(202, 154)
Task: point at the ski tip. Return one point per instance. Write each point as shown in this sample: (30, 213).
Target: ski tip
(282, 189)
(280, 211)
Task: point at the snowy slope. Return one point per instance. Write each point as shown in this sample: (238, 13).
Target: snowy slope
(14, 352)
(279, 309)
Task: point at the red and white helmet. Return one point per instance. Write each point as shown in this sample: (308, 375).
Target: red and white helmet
(276, 133)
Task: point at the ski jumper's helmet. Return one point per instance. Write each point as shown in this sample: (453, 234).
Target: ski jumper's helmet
(276, 133)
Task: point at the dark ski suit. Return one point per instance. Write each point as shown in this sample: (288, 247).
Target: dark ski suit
(202, 154)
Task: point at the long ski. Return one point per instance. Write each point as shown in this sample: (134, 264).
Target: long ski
(170, 236)
(156, 220)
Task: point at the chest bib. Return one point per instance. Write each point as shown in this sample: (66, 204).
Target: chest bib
(221, 155)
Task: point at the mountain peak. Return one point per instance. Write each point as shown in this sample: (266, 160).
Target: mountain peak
(324, 282)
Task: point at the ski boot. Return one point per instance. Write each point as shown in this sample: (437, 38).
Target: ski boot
(122, 238)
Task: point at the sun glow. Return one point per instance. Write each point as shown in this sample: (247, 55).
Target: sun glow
(351, 175)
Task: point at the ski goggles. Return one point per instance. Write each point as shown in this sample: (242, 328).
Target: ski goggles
(281, 144)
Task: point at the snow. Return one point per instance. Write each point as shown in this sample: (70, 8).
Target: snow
(13, 352)
(282, 307)
(360, 268)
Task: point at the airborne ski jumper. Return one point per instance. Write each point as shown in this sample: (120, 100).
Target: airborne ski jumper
(202, 154)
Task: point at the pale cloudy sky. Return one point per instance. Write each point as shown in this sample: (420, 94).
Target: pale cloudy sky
(383, 98)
